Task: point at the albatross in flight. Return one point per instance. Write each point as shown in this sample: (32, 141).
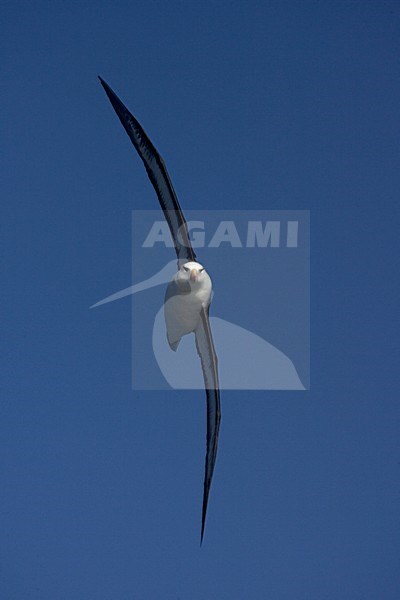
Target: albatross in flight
(188, 295)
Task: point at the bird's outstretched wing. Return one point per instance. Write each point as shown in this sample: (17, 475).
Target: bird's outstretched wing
(161, 182)
(158, 175)
(209, 364)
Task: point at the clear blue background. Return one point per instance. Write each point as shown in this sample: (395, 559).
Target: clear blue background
(290, 105)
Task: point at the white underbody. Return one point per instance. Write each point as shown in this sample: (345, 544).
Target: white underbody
(182, 311)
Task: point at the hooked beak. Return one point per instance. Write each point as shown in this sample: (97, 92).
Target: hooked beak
(193, 275)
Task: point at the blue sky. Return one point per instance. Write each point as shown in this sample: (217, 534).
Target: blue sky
(258, 105)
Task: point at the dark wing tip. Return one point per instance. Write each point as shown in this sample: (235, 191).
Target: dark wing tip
(123, 113)
(203, 523)
(103, 83)
(110, 93)
(206, 493)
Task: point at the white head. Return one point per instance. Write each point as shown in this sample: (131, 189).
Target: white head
(193, 272)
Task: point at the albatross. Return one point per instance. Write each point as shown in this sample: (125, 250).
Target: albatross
(188, 295)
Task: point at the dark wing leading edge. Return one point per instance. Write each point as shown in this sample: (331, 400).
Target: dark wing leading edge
(161, 182)
(158, 176)
(209, 364)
